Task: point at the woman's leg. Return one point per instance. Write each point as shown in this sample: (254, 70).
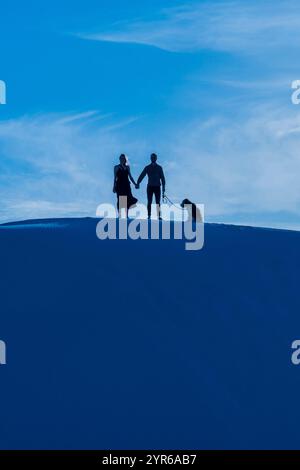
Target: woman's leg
(122, 205)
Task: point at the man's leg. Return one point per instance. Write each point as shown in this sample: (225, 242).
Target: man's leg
(157, 193)
(150, 193)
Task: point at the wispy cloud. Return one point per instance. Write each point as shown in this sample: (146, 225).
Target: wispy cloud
(232, 25)
(58, 165)
(277, 84)
(241, 166)
(248, 164)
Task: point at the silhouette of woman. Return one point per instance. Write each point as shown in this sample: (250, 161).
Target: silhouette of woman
(122, 187)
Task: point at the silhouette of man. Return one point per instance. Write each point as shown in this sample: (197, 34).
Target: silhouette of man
(156, 178)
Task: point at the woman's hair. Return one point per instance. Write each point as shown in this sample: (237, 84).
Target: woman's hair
(124, 156)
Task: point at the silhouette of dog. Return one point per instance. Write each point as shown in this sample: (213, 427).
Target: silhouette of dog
(193, 211)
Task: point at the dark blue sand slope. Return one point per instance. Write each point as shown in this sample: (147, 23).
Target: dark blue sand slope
(123, 344)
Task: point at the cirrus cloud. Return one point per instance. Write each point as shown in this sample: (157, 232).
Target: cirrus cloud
(231, 25)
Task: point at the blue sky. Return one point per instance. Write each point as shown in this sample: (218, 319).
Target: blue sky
(205, 84)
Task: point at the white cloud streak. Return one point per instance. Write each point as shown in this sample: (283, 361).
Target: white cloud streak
(247, 164)
(233, 25)
(53, 165)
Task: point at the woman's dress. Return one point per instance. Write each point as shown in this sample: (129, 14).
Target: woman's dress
(123, 186)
